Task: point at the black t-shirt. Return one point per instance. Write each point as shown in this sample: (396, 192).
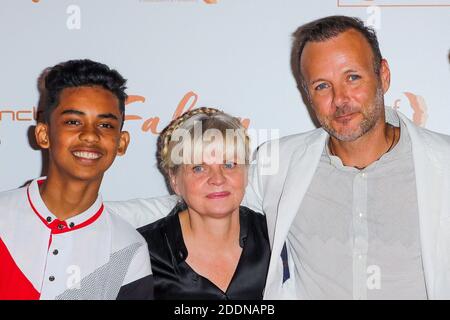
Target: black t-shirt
(175, 279)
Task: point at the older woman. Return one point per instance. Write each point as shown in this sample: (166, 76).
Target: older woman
(208, 247)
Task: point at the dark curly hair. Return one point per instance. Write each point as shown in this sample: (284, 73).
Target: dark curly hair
(79, 73)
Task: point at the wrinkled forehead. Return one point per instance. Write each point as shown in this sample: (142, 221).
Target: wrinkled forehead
(349, 49)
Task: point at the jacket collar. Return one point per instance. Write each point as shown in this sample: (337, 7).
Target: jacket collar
(51, 221)
(431, 160)
(175, 234)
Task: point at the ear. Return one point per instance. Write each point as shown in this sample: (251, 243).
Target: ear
(124, 141)
(41, 133)
(385, 75)
(173, 182)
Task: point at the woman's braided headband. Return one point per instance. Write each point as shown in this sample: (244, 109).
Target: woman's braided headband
(166, 134)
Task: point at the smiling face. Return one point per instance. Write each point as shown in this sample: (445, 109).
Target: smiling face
(344, 90)
(83, 134)
(214, 188)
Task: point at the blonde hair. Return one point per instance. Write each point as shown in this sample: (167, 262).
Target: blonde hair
(186, 124)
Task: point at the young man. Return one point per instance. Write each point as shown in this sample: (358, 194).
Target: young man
(57, 241)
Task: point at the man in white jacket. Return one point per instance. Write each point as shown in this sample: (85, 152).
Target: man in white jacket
(358, 209)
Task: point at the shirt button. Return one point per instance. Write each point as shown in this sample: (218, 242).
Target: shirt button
(49, 219)
(60, 226)
(180, 254)
(72, 225)
(361, 214)
(363, 174)
(55, 252)
(51, 278)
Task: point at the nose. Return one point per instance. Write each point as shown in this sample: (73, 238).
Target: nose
(216, 176)
(340, 95)
(89, 135)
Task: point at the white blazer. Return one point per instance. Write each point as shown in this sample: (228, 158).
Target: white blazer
(279, 196)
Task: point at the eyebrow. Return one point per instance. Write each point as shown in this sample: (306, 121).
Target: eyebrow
(81, 113)
(317, 80)
(73, 111)
(345, 72)
(108, 116)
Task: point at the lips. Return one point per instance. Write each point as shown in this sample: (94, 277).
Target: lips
(346, 117)
(218, 195)
(87, 155)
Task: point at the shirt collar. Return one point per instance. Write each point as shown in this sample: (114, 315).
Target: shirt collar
(399, 149)
(175, 233)
(51, 221)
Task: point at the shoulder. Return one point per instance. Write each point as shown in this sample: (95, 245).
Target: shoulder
(155, 228)
(251, 214)
(255, 220)
(294, 142)
(434, 145)
(154, 233)
(124, 234)
(13, 203)
(435, 138)
(431, 139)
(13, 196)
(140, 212)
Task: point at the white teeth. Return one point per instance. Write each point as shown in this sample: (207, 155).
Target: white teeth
(86, 155)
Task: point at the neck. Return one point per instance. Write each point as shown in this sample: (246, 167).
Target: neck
(210, 231)
(66, 198)
(367, 149)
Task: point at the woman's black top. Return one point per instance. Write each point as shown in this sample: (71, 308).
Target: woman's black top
(175, 279)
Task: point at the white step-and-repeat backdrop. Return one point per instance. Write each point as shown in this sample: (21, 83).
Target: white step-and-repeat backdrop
(179, 54)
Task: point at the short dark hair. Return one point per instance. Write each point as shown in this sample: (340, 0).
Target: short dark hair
(80, 73)
(324, 29)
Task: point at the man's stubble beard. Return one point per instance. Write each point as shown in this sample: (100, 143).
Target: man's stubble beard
(370, 115)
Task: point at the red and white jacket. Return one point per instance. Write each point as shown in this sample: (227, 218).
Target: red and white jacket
(94, 255)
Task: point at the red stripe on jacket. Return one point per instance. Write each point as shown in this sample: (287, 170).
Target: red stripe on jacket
(14, 285)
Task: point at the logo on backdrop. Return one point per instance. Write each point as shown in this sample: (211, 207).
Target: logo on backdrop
(189, 101)
(152, 124)
(419, 106)
(149, 124)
